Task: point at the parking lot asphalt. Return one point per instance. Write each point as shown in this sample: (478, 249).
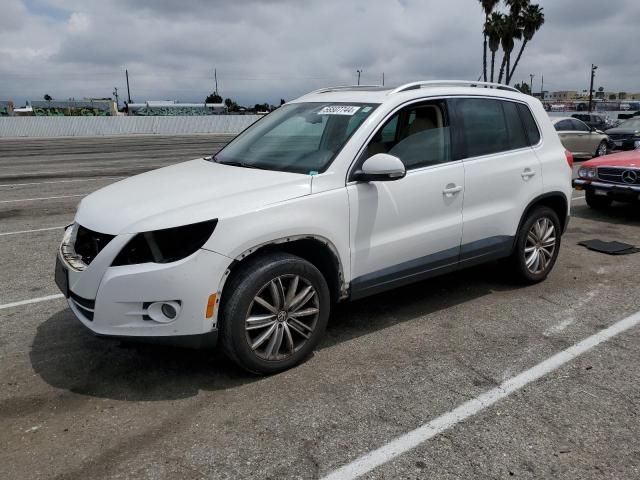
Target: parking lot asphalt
(76, 406)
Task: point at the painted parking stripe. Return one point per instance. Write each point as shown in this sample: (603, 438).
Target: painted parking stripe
(31, 300)
(31, 231)
(577, 198)
(415, 438)
(59, 181)
(43, 198)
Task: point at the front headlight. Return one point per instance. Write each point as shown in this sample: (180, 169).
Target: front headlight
(586, 172)
(167, 245)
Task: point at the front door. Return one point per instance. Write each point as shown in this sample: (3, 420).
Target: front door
(408, 229)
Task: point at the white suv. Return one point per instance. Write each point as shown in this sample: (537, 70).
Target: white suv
(342, 193)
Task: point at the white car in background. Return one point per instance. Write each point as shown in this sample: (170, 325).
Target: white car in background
(343, 193)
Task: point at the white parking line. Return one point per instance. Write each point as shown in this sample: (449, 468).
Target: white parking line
(31, 231)
(59, 181)
(43, 198)
(31, 300)
(577, 198)
(414, 438)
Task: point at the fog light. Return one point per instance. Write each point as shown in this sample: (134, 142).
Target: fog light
(164, 312)
(169, 310)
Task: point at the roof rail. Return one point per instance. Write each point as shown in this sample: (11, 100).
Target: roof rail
(433, 83)
(341, 87)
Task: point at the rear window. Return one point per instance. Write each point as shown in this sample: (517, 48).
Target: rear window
(530, 126)
(491, 126)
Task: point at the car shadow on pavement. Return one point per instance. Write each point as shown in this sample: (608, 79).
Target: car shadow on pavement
(69, 357)
(617, 213)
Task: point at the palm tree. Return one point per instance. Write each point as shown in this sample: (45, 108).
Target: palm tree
(510, 32)
(531, 19)
(487, 6)
(493, 32)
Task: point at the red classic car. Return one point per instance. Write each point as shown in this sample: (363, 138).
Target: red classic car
(609, 178)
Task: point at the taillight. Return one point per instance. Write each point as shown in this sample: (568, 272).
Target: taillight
(569, 156)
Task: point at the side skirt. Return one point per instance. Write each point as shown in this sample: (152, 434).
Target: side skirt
(433, 265)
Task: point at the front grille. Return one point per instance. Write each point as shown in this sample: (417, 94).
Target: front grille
(620, 136)
(86, 307)
(89, 244)
(615, 175)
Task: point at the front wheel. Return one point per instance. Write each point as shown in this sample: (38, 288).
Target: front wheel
(602, 149)
(537, 246)
(276, 313)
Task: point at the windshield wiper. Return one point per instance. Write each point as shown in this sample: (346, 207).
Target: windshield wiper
(236, 164)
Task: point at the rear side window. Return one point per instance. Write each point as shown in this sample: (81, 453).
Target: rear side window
(564, 126)
(491, 126)
(530, 127)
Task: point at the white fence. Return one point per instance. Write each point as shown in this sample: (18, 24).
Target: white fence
(98, 126)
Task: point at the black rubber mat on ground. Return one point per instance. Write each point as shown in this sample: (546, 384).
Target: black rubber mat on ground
(611, 248)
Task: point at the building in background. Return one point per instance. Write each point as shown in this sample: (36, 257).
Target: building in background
(174, 108)
(90, 107)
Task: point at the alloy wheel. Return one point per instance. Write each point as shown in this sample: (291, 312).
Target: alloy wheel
(282, 317)
(540, 245)
(602, 149)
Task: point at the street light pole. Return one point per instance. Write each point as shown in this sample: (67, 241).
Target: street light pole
(531, 75)
(359, 72)
(593, 74)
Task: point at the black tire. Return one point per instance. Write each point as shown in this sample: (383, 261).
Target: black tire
(602, 146)
(252, 278)
(597, 202)
(518, 260)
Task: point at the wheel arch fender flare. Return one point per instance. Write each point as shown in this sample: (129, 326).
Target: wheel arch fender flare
(556, 200)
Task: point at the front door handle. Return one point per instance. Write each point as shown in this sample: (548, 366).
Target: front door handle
(527, 173)
(451, 189)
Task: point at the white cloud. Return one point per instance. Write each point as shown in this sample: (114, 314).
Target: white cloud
(271, 49)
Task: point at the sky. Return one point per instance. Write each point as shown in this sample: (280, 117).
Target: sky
(265, 50)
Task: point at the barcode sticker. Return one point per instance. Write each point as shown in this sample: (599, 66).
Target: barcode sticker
(339, 110)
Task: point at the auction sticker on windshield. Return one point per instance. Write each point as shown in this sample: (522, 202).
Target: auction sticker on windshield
(339, 110)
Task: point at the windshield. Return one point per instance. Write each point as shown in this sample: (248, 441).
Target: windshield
(632, 123)
(300, 137)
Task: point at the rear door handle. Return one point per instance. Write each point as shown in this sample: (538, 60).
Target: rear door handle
(451, 189)
(527, 173)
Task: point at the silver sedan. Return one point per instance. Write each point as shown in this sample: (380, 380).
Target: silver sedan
(580, 139)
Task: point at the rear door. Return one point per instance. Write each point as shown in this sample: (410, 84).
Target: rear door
(502, 175)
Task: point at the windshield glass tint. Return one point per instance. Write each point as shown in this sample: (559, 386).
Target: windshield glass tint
(300, 137)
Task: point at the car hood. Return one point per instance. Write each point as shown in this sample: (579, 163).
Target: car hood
(630, 158)
(623, 131)
(186, 193)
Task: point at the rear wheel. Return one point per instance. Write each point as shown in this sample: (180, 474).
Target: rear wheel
(537, 245)
(276, 313)
(602, 149)
(597, 202)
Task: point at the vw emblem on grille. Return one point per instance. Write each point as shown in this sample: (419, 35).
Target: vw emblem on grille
(629, 176)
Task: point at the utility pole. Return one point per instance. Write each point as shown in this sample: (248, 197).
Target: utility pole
(215, 77)
(126, 72)
(531, 75)
(359, 72)
(593, 74)
(383, 79)
(542, 89)
(115, 94)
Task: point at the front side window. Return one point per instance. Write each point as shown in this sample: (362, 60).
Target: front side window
(491, 126)
(300, 137)
(419, 135)
(580, 126)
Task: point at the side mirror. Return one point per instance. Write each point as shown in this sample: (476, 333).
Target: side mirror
(381, 167)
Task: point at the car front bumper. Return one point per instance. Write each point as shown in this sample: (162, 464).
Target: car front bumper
(627, 192)
(119, 307)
